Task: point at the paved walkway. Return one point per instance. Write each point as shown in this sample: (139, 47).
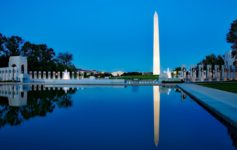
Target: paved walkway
(223, 103)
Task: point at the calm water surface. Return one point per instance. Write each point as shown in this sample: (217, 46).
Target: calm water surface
(108, 118)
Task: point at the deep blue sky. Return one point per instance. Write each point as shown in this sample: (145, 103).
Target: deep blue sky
(110, 35)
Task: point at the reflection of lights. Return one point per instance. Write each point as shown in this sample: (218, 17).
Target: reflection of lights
(156, 103)
(65, 89)
(168, 73)
(169, 90)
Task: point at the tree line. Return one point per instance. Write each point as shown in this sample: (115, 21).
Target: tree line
(40, 56)
(213, 59)
(231, 38)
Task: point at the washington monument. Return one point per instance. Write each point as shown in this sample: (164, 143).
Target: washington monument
(156, 46)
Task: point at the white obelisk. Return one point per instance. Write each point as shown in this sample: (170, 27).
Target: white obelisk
(156, 47)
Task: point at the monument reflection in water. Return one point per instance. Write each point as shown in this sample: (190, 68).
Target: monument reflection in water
(19, 103)
(156, 101)
(15, 99)
(157, 90)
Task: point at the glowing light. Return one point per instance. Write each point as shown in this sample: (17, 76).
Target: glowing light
(66, 75)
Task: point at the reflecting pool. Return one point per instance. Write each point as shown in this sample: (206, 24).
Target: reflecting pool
(106, 118)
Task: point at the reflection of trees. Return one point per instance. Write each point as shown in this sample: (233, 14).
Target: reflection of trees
(65, 101)
(39, 103)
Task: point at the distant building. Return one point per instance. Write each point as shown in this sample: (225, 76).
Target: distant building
(16, 70)
(117, 73)
(88, 72)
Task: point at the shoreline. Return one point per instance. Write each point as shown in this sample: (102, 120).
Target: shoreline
(92, 84)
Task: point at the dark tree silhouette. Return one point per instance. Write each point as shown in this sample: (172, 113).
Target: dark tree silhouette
(65, 61)
(212, 59)
(40, 56)
(13, 45)
(232, 38)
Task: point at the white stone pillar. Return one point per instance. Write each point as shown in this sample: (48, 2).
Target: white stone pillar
(78, 75)
(191, 73)
(209, 72)
(194, 73)
(10, 74)
(59, 76)
(3, 74)
(204, 74)
(54, 75)
(30, 73)
(35, 75)
(222, 72)
(16, 74)
(184, 74)
(217, 73)
(73, 75)
(82, 75)
(49, 75)
(39, 73)
(44, 75)
(7, 75)
(200, 70)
